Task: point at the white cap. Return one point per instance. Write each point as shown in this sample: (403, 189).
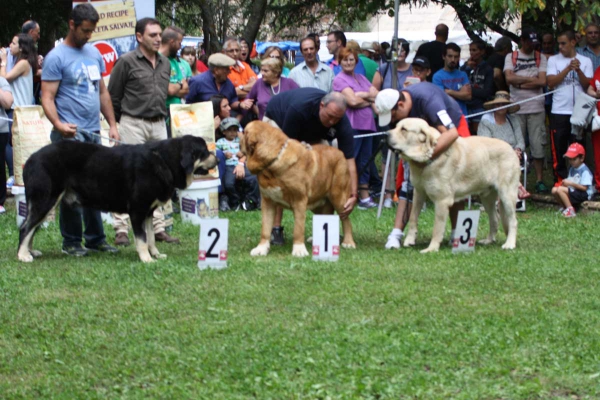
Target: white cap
(384, 102)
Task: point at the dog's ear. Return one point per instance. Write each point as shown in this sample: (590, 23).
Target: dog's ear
(431, 136)
(187, 161)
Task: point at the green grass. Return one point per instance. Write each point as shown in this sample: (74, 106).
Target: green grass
(377, 324)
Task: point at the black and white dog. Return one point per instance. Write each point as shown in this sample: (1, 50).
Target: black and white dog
(132, 179)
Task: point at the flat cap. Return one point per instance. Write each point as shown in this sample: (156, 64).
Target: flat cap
(220, 60)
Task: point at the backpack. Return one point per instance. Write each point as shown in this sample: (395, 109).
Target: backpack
(537, 56)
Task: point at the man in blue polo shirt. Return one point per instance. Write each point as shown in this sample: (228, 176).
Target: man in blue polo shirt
(310, 115)
(215, 81)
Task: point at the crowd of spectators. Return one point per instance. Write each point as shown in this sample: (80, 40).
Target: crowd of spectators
(241, 87)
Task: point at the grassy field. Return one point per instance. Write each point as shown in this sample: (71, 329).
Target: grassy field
(377, 324)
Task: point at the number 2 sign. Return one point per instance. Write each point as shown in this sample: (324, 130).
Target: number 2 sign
(213, 243)
(465, 234)
(326, 237)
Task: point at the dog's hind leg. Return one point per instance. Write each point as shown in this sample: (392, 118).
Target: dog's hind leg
(418, 200)
(489, 203)
(139, 224)
(268, 218)
(39, 206)
(508, 204)
(151, 240)
(442, 209)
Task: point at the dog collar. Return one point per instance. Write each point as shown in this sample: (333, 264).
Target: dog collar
(278, 154)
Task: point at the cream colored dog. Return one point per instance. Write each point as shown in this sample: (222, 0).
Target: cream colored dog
(473, 165)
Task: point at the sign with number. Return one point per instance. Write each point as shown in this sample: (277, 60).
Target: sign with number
(465, 235)
(213, 243)
(326, 237)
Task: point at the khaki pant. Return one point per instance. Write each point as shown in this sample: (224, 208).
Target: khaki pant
(139, 131)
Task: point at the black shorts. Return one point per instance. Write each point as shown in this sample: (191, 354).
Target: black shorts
(576, 197)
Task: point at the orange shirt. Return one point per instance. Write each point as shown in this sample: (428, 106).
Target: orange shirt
(240, 74)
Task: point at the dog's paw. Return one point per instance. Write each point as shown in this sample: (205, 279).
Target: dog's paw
(509, 246)
(260, 250)
(35, 253)
(486, 241)
(349, 245)
(431, 249)
(299, 250)
(25, 257)
(409, 241)
(146, 258)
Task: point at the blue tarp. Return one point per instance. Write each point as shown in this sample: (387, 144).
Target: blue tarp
(285, 46)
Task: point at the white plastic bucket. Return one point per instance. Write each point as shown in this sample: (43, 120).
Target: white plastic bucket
(21, 207)
(199, 201)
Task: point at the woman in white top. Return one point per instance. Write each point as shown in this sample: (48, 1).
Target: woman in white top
(500, 125)
(20, 78)
(21, 75)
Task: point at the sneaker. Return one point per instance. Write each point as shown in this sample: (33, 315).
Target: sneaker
(393, 241)
(10, 182)
(249, 205)
(541, 187)
(121, 239)
(75, 251)
(366, 204)
(569, 213)
(277, 236)
(2, 210)
(388, 203)
(224, 204)
(103, 247)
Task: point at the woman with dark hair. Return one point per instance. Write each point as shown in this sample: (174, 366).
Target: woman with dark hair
(221, 109)
(276, 52)
(245, 55)
(20, 78)
(188, 53)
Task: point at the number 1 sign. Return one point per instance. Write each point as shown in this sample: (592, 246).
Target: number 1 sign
(465, 235)
(326, 237)
(213, 243)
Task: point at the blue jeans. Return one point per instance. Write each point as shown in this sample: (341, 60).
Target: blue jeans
(71, 216)
(221, 167)
(362, 152)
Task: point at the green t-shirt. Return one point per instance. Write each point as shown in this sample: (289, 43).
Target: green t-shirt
(177, 76)
(370, 66)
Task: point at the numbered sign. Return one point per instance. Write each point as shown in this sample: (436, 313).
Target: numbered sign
(465, 235)
(326, 237)
(213, 243)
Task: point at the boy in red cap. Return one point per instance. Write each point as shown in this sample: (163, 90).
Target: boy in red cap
(578, 187)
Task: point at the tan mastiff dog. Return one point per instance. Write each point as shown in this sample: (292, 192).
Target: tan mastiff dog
(474, 165)
(296, 177)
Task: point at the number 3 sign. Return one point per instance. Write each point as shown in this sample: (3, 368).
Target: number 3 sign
(213, 243)
(326, 237)
(466, 231)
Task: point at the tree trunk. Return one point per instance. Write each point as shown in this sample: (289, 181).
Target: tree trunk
(259, 8)
(211, 39)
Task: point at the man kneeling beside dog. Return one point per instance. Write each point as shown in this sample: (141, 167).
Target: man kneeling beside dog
(445, 166)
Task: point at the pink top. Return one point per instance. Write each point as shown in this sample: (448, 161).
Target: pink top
(360, 118)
